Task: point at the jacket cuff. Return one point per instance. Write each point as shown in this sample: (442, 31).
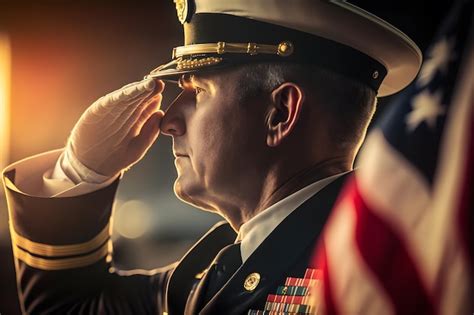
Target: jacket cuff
(59, 233)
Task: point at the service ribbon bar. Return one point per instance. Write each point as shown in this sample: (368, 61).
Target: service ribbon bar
(293, 297)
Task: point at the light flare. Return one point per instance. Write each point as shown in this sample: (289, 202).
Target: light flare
(5, 77)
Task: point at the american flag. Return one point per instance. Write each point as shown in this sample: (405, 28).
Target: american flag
(400, 238)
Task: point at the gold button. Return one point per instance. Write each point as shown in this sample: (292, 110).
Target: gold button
(285, 49)
(251, 282)
(220, 47)
(252, 48)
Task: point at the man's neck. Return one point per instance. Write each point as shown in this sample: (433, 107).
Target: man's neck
(281, 185)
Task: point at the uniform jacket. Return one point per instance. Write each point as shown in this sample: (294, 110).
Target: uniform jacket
(63, 266)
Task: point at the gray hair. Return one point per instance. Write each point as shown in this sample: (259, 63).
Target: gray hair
(350, 103)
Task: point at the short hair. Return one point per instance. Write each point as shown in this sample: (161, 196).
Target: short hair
(349, 103)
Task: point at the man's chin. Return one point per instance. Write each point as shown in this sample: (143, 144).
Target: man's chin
(191, 194)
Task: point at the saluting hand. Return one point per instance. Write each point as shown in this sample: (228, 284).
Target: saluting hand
(117, 130)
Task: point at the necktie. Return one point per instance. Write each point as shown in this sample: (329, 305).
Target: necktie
(227, 261)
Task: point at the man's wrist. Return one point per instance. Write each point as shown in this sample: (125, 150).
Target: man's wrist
(77, 172)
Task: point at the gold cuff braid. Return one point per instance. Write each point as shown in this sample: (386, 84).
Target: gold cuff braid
(63, 263)
(59, 250)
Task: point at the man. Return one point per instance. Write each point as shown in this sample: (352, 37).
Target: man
(275, 104)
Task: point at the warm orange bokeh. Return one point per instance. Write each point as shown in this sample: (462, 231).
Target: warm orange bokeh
(64, 57)
(5, 65)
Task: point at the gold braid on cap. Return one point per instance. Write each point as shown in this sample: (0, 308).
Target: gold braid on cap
(186, 64)
(194, 56)
(283, 49)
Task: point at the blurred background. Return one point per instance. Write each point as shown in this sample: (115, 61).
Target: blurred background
(57, 57)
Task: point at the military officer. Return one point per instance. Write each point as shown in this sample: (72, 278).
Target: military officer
(276, 99)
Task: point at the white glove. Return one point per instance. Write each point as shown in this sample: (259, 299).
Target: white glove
(117, 130)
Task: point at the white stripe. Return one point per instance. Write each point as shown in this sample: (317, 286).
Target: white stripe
(457, 285)
(389, 183)
(354, 289)
(395, 191)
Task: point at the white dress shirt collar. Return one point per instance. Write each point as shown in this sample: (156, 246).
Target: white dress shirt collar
(253, 232)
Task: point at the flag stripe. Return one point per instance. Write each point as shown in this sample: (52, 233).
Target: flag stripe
(440, 261)
(386, 255)
(352, 281)
(401, 234)
(450, 259)
(395, 191)
(466, 215)
(327, 305)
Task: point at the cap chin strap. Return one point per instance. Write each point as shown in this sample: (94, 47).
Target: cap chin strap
(283, 49)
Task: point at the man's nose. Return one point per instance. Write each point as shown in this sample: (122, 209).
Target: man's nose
(174, 123)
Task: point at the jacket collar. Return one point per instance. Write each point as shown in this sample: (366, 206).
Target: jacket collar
(193, 262)
(294, 235)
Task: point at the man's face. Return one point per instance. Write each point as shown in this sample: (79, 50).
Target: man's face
(218, 140)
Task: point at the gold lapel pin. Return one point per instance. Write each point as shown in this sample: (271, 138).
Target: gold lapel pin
(251, 282)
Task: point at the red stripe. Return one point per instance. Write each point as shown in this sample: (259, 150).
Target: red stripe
(300, 282)
(320, 261)
(288, 299)
(385, 254)
(466, 206)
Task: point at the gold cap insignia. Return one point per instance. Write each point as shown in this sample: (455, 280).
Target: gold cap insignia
(251, 282)
(183, 10)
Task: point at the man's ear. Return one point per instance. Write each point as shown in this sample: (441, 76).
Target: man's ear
(287, 101)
